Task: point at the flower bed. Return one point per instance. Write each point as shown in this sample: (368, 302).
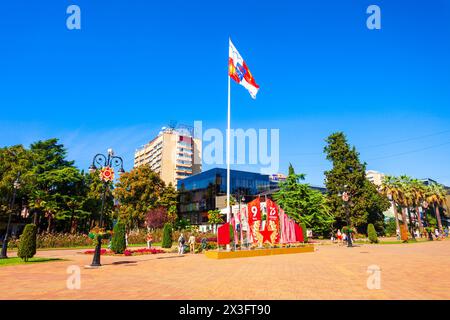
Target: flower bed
(127, 252)
(58, 240)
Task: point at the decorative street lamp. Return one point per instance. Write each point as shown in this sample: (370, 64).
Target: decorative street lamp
(412, 225)
(425, 206)
(346, 197)
(105, 164)
(16, 185)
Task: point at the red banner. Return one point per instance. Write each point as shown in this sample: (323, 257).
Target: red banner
(223, 234)
(254, 211)
(254, 219)
(273, 220)
(299, 233)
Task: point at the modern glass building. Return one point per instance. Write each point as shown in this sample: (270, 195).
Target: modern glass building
(202, 192)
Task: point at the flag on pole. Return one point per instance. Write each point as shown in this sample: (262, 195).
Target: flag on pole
(239, 72)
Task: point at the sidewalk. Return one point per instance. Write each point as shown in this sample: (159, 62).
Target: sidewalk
(408, 271)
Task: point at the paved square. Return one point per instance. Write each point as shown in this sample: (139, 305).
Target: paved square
(410, 271)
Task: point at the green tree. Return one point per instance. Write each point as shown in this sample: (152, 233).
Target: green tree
(27, 242)
(215, 218)
(390, 186)
(139, 191)
(371, 233)
(15, 162)
(303, 204)
(118, 242)
(391, 227)
(169, 201)
(435, 195)
(91, 206)
(54, 179)
(167, 236)
(348, 174)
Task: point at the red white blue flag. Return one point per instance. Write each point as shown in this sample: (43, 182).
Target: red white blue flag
(239, 72)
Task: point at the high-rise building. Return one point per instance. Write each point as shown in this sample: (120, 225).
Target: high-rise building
(375, 177)
(175, 154)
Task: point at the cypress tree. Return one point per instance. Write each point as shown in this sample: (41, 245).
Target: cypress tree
(118, 242)
(27, 242)
(167, 236)
(372, 234)
(365, 204)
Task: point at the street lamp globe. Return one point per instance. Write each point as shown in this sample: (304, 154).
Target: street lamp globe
(110, 151)
(92, 168)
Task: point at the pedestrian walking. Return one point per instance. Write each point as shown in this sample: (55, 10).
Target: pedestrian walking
(204, 243)
(181, 242)
(149, 240)
(339, 236)
(417, 232)
(191, 243)
(436, 233)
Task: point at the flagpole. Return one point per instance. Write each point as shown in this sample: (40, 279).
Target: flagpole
(228, 152)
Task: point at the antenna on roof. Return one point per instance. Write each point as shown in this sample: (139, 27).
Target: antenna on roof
(172, 124)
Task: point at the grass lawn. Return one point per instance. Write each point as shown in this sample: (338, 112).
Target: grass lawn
(15, 260)
(393, 241)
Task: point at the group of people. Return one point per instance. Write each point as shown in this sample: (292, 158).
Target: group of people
(182, 241)
(340, 237)
(437, 234)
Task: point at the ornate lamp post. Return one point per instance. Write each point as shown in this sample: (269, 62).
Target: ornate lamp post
(346, 197)
(425, 206)
(105, 164)
(412, 225)
(16, 185)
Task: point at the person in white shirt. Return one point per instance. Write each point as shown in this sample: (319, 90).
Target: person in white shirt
(436, 233)
(181, 244)
(417, 233)
(191, 243)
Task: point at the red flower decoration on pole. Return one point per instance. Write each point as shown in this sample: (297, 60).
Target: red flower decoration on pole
(107, 174)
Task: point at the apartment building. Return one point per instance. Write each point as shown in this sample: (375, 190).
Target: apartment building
(175, 154)
(375, 177)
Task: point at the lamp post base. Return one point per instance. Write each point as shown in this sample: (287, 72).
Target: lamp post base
(97, 254)
(349, 240)
(3, 254)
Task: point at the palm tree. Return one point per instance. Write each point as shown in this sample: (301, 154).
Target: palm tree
(435, 194)
(406, 200)
(391, 188)
(418, 196)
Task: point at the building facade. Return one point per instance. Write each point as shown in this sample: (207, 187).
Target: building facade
(175, 154)
(377, 179)
(207, 191)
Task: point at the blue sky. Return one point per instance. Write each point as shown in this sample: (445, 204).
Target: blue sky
(136, 65)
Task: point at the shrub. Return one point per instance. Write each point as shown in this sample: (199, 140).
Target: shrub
(58, 240)
(167, 236)
(305, 234)
(27, 244)
(118, 244)
(372, 233)
(140, 236)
